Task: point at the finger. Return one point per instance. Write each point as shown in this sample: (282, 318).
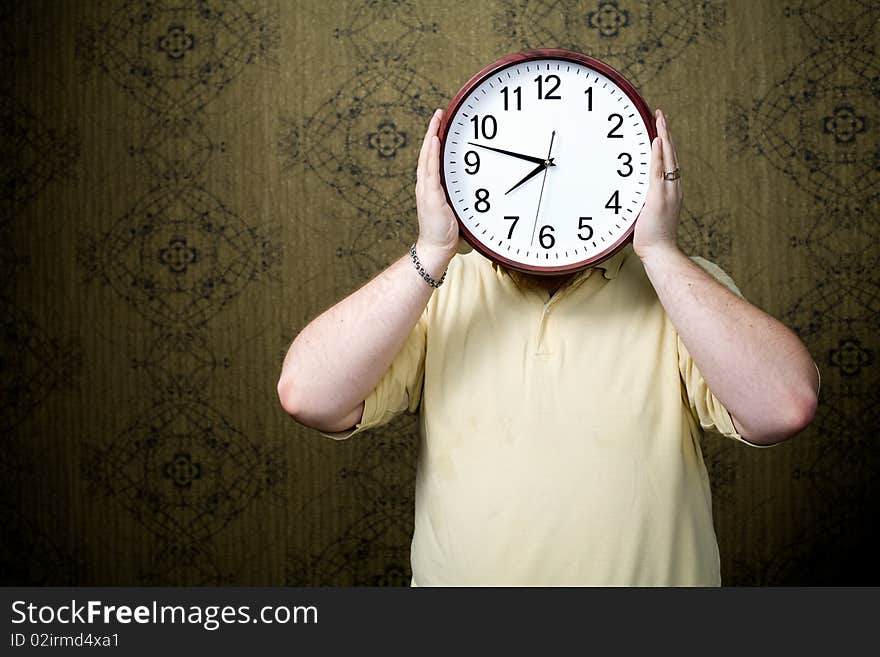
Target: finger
(671, 141)
(656, 159)
(670, 157)
(426, 143)
(434, 161)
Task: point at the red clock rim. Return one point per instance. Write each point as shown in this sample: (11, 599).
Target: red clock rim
(525, 56)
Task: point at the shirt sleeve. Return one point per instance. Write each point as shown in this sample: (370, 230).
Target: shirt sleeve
(705, 406)
(399, 389)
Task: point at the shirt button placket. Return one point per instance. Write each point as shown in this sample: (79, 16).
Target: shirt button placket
(542, 328)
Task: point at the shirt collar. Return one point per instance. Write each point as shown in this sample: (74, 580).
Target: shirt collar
(611, 266)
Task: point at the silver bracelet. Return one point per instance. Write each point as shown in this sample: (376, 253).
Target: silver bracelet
(424, 274)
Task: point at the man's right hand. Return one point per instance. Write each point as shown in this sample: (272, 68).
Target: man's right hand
(341, 355)
(438, 228)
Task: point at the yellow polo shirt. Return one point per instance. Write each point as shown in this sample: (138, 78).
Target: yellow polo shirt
(559, 435)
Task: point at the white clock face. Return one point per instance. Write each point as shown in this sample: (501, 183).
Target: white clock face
(545, 162)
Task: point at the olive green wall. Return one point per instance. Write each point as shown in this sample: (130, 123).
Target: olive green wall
(185, 184)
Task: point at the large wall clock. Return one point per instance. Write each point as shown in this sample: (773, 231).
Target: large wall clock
(545, 158)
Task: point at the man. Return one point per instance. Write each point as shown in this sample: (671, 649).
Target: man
(560, 417)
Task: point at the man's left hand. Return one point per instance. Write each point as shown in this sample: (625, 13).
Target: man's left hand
(658, 222)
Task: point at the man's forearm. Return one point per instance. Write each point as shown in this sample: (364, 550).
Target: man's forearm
(755, 365)
(339, 357)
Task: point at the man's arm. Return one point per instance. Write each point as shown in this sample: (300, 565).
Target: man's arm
(757, 367)
(340, 356)
(751, 362)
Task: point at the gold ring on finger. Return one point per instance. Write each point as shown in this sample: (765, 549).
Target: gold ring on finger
(675, 174)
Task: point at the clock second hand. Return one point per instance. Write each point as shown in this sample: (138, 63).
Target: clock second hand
(543, 181)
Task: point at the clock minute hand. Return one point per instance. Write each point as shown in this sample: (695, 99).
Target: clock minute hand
(534, 172)
(527, 158)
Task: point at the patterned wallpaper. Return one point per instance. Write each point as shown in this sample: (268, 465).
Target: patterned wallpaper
(186, 183)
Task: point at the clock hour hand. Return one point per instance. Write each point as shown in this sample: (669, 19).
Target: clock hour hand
(527, 158)
(534, 172)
